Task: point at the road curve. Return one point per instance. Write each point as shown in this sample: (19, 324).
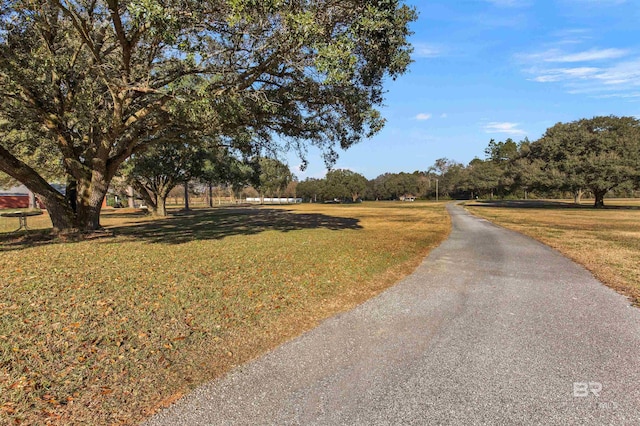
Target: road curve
(492, 328)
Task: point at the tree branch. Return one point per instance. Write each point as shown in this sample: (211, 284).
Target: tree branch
(21, 172)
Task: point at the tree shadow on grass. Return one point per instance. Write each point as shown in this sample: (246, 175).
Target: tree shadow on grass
(123, 213)
(547, 204)
(183, 227)
(20, 240)
(221, 223)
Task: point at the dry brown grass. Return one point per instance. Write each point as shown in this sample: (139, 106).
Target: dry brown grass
(109, 330)
(605, 241)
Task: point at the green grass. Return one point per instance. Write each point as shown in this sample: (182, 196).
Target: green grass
(109, 329)
(605, 241)
(10, 224)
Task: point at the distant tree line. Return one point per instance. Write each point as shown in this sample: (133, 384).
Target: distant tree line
(589, 157)
(594, 157)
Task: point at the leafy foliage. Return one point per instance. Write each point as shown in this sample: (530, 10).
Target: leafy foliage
(274, 176)
(94, 82)
(311, 189)
(392, 186)
(599, 154)
(596, 155)
(157, 171)
(220, 167)
(344, 184)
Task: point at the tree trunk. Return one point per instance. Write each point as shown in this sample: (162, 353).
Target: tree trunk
(61, 214)
(130, 199)
(210, 195)
(71, 194)
(599, 202)
(32, 200)
(577, 196)
(156, 203)
(161, 206)
(91, 193)
(186, 196)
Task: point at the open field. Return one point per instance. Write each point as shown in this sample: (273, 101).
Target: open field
(109, 329)
(606, 241)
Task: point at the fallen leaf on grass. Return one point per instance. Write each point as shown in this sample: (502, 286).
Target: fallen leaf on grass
(8, 407)
(166, 402)
(105, 390)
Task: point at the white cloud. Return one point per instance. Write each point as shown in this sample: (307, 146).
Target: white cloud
(621, 73)
(600, 2)
(599, 71)
(426, 50)
(509, 3)
(632, 95)
(556, 55)
(443, 115)
(560, 74)
(504, 127)
(571, 36)
(615, 77)
(590, 55)
(423, 116)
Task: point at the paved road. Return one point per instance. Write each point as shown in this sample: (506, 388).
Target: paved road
(493, 328)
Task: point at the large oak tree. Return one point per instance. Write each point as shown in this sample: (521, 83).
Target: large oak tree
(598, 154)
(344, 184)
(91, 82)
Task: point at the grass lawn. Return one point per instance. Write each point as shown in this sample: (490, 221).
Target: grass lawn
(108, 330)
(606, 241)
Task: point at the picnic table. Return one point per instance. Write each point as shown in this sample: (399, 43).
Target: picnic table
(22, 217)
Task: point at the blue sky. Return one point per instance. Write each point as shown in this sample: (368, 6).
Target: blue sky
(499, 69)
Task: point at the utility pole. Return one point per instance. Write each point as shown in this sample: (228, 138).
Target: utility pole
(436, 190)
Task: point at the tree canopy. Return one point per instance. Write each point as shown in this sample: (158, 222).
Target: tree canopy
(345, 184)
(274, 176)
(92, 82)
(160, 169)
(598, 154)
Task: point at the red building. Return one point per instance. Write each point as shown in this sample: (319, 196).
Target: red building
(15, 198)
(19, 197)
